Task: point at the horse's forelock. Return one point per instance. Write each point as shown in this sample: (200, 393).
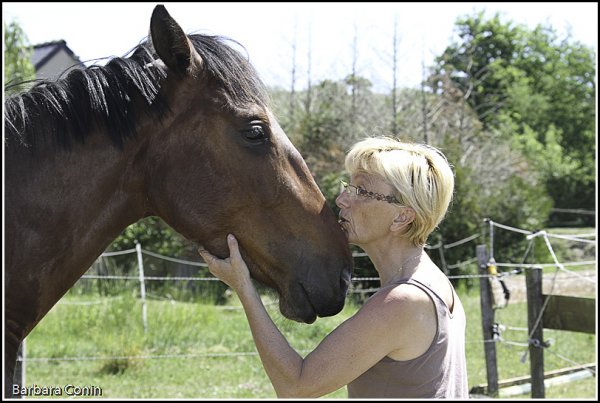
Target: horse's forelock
(235, 73)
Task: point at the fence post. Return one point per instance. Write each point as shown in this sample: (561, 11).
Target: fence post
(138, 248)
(487, 322)
(19, 374)
(533, 282)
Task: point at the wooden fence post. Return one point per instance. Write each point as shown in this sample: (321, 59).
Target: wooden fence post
(487, 322)
(533, 281)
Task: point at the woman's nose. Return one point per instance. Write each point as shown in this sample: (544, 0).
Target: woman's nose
(341, 201)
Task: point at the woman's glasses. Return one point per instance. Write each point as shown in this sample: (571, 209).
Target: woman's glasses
(355, 191)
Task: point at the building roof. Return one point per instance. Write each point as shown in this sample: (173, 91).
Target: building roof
(44, 52)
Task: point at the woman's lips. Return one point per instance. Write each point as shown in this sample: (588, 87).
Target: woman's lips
(343, 221)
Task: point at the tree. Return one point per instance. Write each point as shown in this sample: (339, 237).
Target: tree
(537, 91)
(17, 57)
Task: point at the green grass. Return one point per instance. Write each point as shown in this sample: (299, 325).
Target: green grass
(196, 350)
(567, 349)
(190, 350)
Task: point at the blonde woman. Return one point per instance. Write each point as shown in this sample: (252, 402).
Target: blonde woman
(408, 339)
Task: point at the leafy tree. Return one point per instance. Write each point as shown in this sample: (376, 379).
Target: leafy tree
(156, 236)
(17, 57)
(535, 90)
(340, 113)
(153, 234)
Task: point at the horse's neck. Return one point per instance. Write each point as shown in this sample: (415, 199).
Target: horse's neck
(64, 207)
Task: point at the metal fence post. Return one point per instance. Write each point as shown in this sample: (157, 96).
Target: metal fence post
(138, 248)
(19, 374)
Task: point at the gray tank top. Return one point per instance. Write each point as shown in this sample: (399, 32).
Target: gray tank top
(440, 372)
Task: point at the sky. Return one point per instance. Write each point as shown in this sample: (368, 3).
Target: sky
(326, 31)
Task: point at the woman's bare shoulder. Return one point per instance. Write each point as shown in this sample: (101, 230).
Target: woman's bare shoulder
(402, 301)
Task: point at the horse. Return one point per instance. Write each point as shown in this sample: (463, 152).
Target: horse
(179, 128)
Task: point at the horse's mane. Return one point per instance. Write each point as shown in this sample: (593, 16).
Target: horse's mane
(103, 96)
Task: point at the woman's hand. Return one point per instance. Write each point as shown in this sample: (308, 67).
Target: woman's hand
(233, 271)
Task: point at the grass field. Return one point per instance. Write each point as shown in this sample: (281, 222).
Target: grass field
(202, 351)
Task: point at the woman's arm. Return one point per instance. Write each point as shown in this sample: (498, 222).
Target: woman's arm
(352, 348)
(282, 363)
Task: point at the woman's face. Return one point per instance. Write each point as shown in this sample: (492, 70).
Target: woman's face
(365, 219)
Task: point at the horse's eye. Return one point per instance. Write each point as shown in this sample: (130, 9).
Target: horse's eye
(255, 133)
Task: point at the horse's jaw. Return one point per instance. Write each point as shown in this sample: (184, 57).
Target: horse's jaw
(299, 311)
(295, 303)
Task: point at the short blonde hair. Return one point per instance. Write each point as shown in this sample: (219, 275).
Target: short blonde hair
(420, 175)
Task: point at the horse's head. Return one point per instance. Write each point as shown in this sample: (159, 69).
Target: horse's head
(222, 164)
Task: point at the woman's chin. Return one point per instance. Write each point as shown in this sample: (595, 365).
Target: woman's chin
(351, 239)
(345, 230)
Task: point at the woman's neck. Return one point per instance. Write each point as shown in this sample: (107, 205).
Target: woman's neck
(394, 259)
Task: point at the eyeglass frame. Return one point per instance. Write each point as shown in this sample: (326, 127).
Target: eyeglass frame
(365, 193)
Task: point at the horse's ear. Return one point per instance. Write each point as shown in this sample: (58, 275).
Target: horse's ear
(169, 40)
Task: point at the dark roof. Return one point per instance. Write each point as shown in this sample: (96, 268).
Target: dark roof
(44, 52)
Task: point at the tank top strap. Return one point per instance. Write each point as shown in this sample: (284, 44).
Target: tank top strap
(432, 294)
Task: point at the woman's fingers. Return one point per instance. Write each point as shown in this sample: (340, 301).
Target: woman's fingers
(234, 248)
(232, 270)
(234, 251)
(205, 255)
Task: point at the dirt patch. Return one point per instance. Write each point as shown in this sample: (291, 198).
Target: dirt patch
(578, 284)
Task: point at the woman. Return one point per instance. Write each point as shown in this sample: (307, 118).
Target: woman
(408, 339)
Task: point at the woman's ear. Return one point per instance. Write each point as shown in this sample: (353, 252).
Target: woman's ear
(404, 217)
